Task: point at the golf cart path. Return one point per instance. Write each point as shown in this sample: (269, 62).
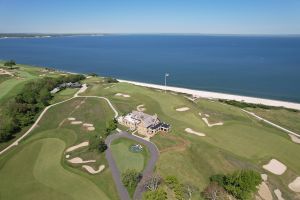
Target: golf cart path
(271, 123)
(82, 89)
(115, 171)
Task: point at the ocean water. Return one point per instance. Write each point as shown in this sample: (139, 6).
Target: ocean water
(259, 66)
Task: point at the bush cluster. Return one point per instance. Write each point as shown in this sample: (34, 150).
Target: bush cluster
(21, 110)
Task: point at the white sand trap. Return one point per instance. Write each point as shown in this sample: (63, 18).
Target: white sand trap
(122, 95)
(264, 191)
(189, 130)
(200, 114)
(206, 115)
(78, 160)
(211, 125)
(264, 177)
(91, 128)
(83, 144)
(182, 109)
(295, 185)
(71, 119)
(76, 122)
(275, 167)
(67, 156)
(87, 125)
(294, 138)
(91, 170)
(141, 108)
(278, 194)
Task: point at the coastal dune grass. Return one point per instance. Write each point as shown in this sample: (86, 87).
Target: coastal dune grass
(242, 142)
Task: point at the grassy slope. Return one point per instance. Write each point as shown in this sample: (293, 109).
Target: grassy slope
(53, 136)
(242, 142)
(126, 159)
(282, 117)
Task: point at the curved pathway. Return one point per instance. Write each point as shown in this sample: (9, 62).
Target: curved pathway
(115, 171)
(82, 89)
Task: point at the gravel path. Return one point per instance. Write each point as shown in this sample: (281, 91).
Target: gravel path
(116, 173)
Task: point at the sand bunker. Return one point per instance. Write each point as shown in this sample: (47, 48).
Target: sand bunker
(141, 108)
(278, 194)
(71, 119)
(182, 109)
(122, 95)
(294, 138)
(295, 185)
(68, 156)
(264, 191)
(264, 177)
(76, 122)
(87, 125)
(200, 114)
(91, 170)
(211, 125)
(189, 130)
(78, 160)
(91, 128)
(83, 144)
(206, 115)
(275, 167)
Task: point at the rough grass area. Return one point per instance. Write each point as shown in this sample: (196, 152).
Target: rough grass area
(242, 142)
(39, 166)
(126, 159)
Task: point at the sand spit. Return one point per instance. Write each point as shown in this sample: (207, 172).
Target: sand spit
(294, 138)
(211, 125)
(122, 95)
(78, 160)
(264, 191)
(295, 185)
(71, 119)
(141, 108)
(189, 130)
(83, 144)
(91, 170)
(182, 109)
(275, 167)
(216, 95)
(278, 194)
(76, 122)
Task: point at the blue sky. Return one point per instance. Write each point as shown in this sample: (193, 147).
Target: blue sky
(151, 16)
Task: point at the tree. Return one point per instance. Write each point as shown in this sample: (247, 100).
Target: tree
(10, 63)
(102, 146)
(131, 178)
(158, 194)
(214, 192)
(171, 181)
(152, 182)
(189, 190)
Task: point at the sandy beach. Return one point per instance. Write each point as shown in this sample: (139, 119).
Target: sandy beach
(216, 95)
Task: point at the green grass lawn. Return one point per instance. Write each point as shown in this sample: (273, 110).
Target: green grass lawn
(39, 161)
(242, 142)
(126, 159)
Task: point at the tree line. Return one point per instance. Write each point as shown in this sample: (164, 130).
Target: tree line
(21, 110)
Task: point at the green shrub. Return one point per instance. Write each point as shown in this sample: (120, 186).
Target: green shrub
(158, 194)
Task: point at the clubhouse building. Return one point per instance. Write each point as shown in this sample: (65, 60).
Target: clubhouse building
(145, 124)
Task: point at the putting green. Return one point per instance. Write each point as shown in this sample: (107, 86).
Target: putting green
(38, 174)
(126, 159)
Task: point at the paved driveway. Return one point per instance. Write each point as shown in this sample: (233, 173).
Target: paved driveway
(116, 173)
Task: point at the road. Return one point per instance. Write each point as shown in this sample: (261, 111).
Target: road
(148, 171)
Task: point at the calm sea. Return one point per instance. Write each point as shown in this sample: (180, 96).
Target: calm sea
(266, 67)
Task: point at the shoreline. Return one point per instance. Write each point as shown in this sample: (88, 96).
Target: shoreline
(218, 95)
